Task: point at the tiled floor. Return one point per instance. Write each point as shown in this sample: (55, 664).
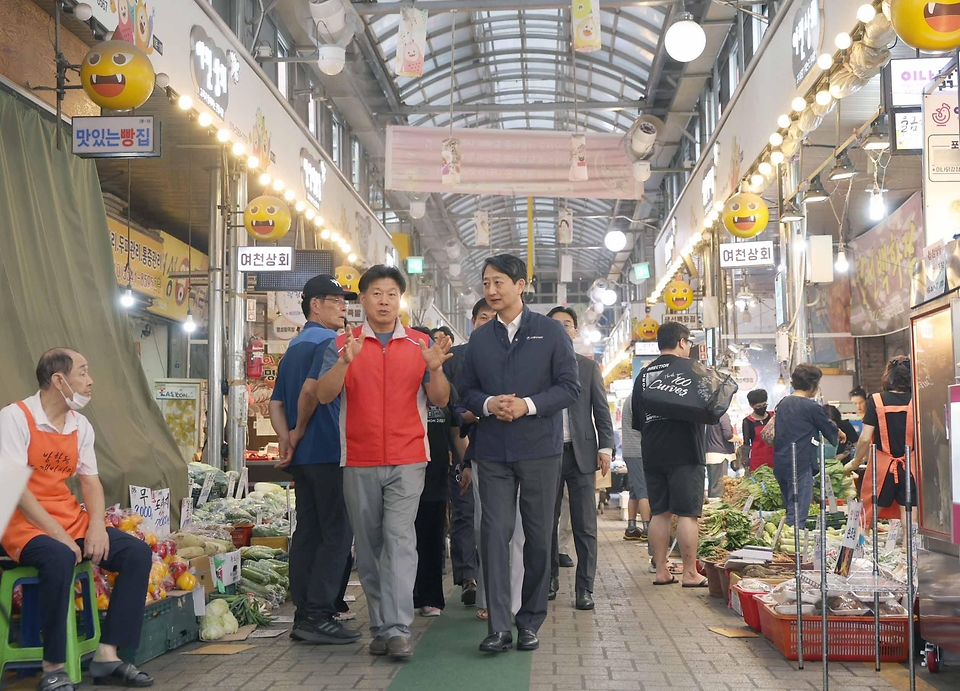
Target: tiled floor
(639, 638)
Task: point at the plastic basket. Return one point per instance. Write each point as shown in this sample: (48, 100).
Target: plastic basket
(849, 639)
(749, 606)
(241, 535)
(167, 625)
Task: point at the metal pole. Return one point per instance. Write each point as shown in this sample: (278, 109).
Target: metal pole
(797, 556)
(824, 642)
(236, 376)
(215, 323)
(876, 558)
(911, 594)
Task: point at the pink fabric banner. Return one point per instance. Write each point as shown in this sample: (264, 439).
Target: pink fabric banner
(517, 163)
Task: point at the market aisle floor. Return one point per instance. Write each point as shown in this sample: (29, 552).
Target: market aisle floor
(640, 638)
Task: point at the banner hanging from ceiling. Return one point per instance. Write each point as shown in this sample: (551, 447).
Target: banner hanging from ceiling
(509, 162)
(586, 25)
(884, 261)
(411, 42)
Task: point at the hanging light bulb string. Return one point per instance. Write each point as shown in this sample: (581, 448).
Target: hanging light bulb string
(453, 63)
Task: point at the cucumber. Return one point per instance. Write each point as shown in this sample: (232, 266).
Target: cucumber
(254, 576)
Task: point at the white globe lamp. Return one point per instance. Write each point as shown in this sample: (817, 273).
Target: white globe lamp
(615, 240)
(685, 39)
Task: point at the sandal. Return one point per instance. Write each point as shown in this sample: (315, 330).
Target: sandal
(483, 614)
(55, 681)
(125, 675)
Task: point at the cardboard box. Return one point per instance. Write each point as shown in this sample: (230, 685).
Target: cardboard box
(203, 570)
(227, 567)
(272, 542)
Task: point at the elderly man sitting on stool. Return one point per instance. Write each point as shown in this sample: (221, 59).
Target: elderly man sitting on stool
(51, 532)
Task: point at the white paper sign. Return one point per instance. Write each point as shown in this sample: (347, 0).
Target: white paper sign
(734, 255)
(851, 534)
(186, 512)
(153, 506)
(120, 136)
(242, 485)
(205, 490)
(265, 258)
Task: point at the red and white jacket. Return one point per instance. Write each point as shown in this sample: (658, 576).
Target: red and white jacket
(383, 404)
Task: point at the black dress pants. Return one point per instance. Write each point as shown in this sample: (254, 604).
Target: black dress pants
(320, 553)
(130, 558)
(431, 528)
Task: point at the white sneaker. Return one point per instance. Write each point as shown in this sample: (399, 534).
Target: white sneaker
(430, 611)
(653, 566)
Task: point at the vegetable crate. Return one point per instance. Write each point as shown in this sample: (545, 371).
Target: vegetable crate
(167, 625)
(849, 639)
(749, 605)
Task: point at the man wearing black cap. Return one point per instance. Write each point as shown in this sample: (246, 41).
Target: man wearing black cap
(309, 436)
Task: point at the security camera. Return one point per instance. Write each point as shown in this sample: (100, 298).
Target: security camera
(83, 12)
(332, 59)
(643, 139)
(641, 171)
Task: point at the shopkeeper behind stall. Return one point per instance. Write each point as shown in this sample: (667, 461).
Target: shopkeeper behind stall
(51, 532)
(888, 423)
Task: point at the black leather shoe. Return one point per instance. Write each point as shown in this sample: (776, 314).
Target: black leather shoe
(566, 561)
(527, 640)
(498, 642)
(554, 589)
(584, 599)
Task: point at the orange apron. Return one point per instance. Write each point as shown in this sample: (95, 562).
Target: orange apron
(886, 463)
(54, 459)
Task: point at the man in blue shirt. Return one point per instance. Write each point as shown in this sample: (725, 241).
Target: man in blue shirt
(309, 436)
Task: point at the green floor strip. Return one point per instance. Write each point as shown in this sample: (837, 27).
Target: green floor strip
(447, 657)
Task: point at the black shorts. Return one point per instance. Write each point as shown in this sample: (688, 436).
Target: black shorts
(677, 489)
(894, 489)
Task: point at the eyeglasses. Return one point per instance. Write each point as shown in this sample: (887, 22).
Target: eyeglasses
(336, 301)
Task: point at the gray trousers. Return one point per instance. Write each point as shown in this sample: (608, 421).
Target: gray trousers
(382, 502)
(537, 481)
(581, 488)
(516, 551)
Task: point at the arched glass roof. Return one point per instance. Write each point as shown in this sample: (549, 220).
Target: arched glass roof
(516, 68)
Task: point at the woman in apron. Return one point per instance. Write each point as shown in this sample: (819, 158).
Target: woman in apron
(888, 423)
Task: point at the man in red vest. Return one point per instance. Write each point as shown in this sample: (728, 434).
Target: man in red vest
(384, 374)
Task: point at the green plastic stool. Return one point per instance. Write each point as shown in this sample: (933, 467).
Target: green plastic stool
(76, 648)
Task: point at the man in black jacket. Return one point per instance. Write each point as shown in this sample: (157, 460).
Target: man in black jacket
(583, 454)
(519, 373)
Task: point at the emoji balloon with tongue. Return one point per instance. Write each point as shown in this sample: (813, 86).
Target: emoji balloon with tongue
(266, 219)
(930, 26)
(117, 75)
(745, 215)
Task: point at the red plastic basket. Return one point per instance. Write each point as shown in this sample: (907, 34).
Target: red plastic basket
(849, 639)
(749, 605)
(241, 535)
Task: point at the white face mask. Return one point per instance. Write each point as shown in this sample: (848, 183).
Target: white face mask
(77, 401)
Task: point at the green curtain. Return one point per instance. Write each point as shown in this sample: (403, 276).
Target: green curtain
(57, 288)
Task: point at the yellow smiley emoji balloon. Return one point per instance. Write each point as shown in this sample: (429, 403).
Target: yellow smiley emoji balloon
(745, 215)
(647, 329)
(266, 219)
(348, 278)
(930, 26)
(678, 295)
(117, 75)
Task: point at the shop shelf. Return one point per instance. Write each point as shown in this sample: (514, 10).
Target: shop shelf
(849, 639)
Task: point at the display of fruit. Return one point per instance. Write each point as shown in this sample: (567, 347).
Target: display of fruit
(187, 581)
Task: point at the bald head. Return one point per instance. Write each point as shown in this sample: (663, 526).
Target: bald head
(57, 361)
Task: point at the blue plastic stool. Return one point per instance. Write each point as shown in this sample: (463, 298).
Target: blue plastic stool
(28, 651)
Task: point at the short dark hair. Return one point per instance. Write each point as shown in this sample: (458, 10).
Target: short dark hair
(565, 310)
(806, 377)
(858, 392)
(514, 267)
(444, 330)
(898, 375)
(423, 330)
(757, 396)
(54, 361)
(378, 271)
(481, 304)
(670, 335)
(833, 412)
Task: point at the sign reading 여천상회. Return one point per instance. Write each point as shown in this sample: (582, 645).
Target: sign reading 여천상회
(117, 136)
(735, 255)
(137, 259)
(265, 258)
(885, 258)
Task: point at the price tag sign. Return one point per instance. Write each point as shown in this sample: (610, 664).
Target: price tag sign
(776, 538)
(161, 511)
(242, 485)
(153, 506)
(141, 503)
(748, 505)
(186, 512)
(232, 485)
(817, 549)
(831, 497)
(851, 534)
(205, 490)
(893, 534)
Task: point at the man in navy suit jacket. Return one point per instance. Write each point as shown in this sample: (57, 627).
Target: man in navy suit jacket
(519, 374)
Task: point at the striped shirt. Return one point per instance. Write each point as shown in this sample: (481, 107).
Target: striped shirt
(629, 436)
